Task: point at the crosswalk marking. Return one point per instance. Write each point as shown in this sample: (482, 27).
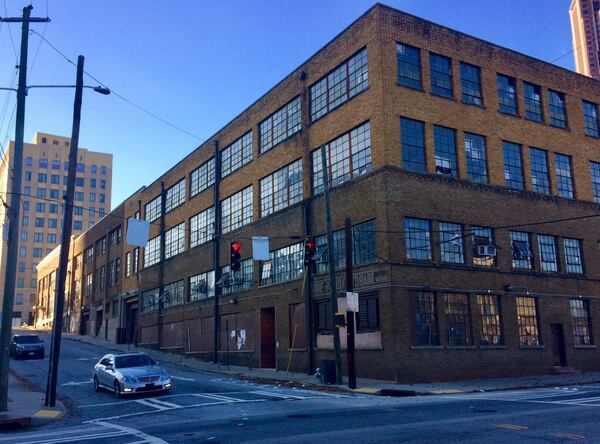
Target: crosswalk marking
(566, 396)
(219, 397)
(156, 405)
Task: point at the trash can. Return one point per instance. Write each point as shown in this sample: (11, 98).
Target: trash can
(328, 372)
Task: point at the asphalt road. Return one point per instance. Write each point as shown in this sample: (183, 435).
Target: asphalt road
(205, 407)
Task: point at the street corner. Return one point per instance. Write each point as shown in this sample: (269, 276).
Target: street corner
(445, 392)
(367, 391)
(45, 415)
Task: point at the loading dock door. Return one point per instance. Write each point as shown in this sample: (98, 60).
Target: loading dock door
(268, 357)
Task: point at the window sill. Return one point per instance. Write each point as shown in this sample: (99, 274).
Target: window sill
(452, 98)
(426, 347)
(482, 106)
(493, 347)
(541, 122)
(564, 128)
(461, 347)
(504, 113)
(586, 347)
(532, 347)
(414, 88)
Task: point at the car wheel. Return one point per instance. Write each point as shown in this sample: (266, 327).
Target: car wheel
(96, 384)
(117, 389)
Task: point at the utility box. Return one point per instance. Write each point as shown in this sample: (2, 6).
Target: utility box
(328, 372)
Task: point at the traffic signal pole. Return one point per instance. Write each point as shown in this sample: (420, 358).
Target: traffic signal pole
(14, 205)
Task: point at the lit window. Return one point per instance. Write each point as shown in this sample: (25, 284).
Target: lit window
(348, 156)
(281, 189)
(458, 324)
(527, 321)
(582, 321)
(491, 324)
(408, 59)
(340, 85)
(280, 125)
(236, 155)
(236, 210)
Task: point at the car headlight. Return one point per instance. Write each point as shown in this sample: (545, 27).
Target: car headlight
(129, 379)
(20, 347)
(164, 375)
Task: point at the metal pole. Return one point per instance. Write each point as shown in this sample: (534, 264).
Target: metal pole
(216, 266)
(332, 282)
(349, 314)
(13, 217)
(65, 242)
(308, 301)
(161, 267)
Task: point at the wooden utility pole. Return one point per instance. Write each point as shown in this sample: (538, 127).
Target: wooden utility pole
(15, 203)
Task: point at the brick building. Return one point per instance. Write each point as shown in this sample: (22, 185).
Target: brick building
(471, 174)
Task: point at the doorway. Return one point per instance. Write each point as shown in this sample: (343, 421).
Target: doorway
(268, 341)
(558, 345)
(83, 325)
(131, 323)
(98, 325)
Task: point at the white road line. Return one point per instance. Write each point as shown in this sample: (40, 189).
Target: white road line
(147, 403)
(165, 403)
(278, 395)
(89, 381)
(138, 433)
(220, 397)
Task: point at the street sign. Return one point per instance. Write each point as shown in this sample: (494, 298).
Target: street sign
(352, 301)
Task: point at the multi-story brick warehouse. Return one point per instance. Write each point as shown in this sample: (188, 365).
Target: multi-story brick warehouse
(45, 163)
(440, 147)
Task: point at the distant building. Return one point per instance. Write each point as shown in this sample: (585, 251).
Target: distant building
(585, 25)
(45, 163)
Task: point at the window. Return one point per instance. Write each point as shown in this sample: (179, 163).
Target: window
(42, 177)
(102, 196)
(65, 180)
(324, 317)
(202, 227)
(174, 241)
(348, 156)
(564, 176)
(491, 326)
(236, 155)
(79, 196)
(24, 221)
(533, 102)
(102, 184)
(77, 225)
(175, 196)
(573, 259)
(128, 264)
(445, 151)
(79, 181)
(43, 163)
(440, 69)
(522, 257)
(150, 300)
(451, 243)
(94, 168)
(476, 158)
(52, 223)
(280, 125)
(37, 252)
(367, 318)
(136, 260)
(340, 85)
(110, 273)
(51, 237)
(25, 205)
(81, 168)
(38, 237)
(527, 321)
(540, 179)
(582, 321)
(482, 236)
(202, 177)
(426, 324)
(590, 117)
(417, 233)
(39, 221)
(236, 210)
(77, 211)
(55, 179)
(458, 322)
(470, 84)
(20, 283)
(53, 194)
(29, 161)
(408, 59)
(548, 253)
(412, 135)
(41, 192)
(363, 247)
(23, 235)
(102, 276)
(152, 209)
(152, 252)
(595, 172)
(507, 95)
(202, 286)
(173, 294)
(19, 299)
(66, 166)
(285, 264)
(27, 191)
(103, 170)
(513, 170)
(558, 110)
(22, 251)
(281, 189)
(239, 281)
(89, 255)
(88, 284)
(27, 176)
(40, 207)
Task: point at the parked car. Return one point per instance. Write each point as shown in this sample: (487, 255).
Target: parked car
(26, 346)
(127, 374)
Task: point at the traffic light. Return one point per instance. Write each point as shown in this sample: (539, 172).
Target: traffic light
(310, 248)
(234, 256)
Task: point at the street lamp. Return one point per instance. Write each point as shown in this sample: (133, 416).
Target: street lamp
(99, 89)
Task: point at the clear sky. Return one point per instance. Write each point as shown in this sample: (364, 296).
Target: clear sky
(199, 63)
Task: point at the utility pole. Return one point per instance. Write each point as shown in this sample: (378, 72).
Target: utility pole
(161, 268)
(216, 237)
(349, 314)
(65, 244)
(15, 203)
(332, 281)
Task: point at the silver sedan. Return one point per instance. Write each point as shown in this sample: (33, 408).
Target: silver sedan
(126, 374)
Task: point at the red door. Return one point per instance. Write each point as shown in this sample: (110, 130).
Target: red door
(267, 338)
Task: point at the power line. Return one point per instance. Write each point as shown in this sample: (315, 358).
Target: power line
(126, 100)
(12, 42)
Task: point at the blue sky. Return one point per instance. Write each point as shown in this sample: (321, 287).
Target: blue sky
(199, 63)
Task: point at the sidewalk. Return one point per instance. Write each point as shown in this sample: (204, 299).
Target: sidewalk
(369, 386)
(27, 408)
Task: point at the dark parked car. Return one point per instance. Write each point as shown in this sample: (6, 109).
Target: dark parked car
(27, 346)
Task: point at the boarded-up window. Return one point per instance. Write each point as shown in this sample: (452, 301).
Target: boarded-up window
(324, 317)
(368, 313)
(298, 326)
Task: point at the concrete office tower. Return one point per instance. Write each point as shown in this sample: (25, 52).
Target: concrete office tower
(45, 163)
(585, 25)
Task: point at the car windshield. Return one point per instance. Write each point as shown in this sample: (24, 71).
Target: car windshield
(27, 339)
(133, 361)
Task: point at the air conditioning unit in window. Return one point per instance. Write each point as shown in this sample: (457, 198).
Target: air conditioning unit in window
(486, 250)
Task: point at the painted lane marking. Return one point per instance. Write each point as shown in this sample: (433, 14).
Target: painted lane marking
(137, 433)
(568, 436)
(147, 403)
(165, 403)
(221, 397)
(511, 426)
(64, 433)
(281, 396)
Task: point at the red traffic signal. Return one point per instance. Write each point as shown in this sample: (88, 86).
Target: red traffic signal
(234, 256)
(310, 248)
